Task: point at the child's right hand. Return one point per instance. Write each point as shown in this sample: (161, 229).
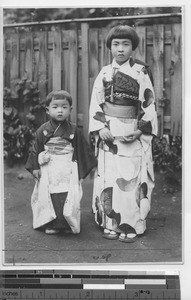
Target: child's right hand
(36, 174)
(105, 134)
(43, 158)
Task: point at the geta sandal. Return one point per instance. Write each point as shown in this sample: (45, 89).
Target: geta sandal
(110, 235)
(51, 231)
(126, 238)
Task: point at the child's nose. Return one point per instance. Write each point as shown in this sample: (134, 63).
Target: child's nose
(120, 48)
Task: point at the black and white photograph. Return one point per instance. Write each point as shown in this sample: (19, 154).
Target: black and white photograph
(92, 122)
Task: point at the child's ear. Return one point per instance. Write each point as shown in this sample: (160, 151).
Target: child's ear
(47, 110)
(71, 108)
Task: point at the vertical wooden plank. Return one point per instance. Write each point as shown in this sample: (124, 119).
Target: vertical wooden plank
(65, 58)
(72, 71)
(176, 81)
(158, 71)
(149, 46)
(85, 77)
(36, 56)
(94, 56)
(167, 78)
(56, 84)
(14, 64)
(42, 72)
(5, 60)
(167, 65)
(79, 91)
(50, 61)
(140, 52)
(22, 52)
(105, 55)
(29, 54)
(28, 66)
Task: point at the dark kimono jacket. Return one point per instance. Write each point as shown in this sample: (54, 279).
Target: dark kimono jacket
(83, 161)
(83, 153)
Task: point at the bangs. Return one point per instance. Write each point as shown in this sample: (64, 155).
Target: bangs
(59, 95)
(123, 32)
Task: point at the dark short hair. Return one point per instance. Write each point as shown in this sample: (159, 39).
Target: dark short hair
(58, 95)
(122, 32)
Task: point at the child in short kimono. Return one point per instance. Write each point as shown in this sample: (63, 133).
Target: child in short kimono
(60, 158)
(123, 121)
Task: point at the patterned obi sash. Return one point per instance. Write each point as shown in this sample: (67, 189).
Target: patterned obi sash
(58, 146)
(121, 88)
(60, 153)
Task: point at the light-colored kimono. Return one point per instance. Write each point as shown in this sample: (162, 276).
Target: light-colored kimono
(59, 174)
(123, 100)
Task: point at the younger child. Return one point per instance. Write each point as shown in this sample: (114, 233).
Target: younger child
(60, 158)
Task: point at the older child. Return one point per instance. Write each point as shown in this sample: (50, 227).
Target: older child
(59, 159)
(123, 120)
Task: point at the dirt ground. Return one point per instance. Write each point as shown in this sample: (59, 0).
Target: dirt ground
(161, 243)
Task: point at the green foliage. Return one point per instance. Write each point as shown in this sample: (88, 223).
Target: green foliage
(21, 15)
(18, 128)
(167, 153)
(167, 156)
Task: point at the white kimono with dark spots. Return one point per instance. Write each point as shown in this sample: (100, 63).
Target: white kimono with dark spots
(124, 179)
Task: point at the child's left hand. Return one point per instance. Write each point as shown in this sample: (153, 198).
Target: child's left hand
(132, 136)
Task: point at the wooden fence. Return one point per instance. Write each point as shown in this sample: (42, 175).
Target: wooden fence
(59, 56)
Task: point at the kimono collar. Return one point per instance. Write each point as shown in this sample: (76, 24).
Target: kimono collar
(130, 62)
(65, 129)
(54, 124)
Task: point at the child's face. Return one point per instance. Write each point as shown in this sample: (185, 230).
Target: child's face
(59, 110)
(121, 50)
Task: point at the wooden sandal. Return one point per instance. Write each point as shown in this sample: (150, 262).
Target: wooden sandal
(110, 234)
(125, 238)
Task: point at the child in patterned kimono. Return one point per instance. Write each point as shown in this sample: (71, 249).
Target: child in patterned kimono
(123, 121)
(59, 160)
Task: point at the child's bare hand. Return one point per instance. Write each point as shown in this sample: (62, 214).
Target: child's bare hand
(132, 136)
(105, 134)
(36, 174)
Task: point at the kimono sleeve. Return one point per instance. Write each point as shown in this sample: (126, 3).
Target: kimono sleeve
(36, 148)
(83, 154)
(148, 121)
(96, 115)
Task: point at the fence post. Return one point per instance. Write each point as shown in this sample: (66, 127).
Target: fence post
(72, 74)
(176, 82)
(140, 52)
(14, 65)
(56, 61)
(42, 71)
(85, 77)
(158, 70)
